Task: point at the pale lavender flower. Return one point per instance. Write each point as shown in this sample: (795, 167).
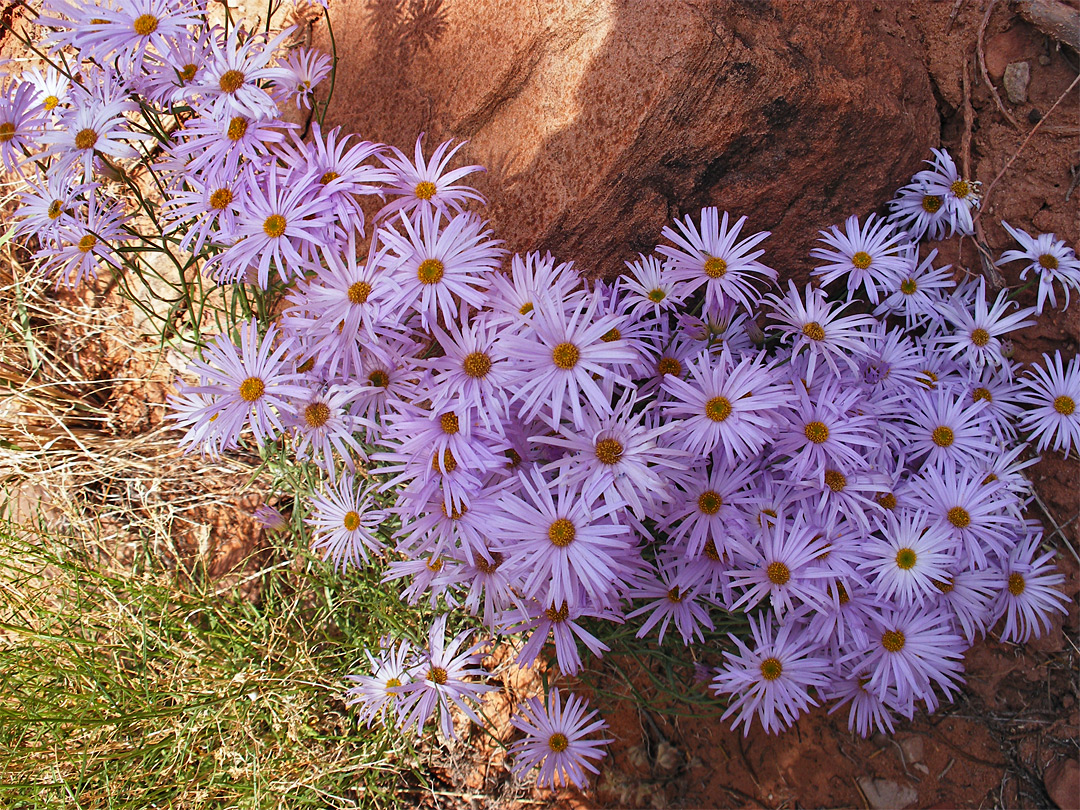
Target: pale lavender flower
(233, 83)
(556, 740)
(440, 681)
(1052, 394)
(379, 692)
(869, 256)
(773, 679)
(1027, 595)
(711, 256)
(345, 524)
(978, 335)
(1050, 259)
(427, 186)
(912, 557)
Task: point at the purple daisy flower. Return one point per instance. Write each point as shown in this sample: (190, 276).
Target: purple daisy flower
(379, 692)
(423, 186)
(561, 625)
(917, 291)
(728, 407)
(1050, 259)
(233, 82)
(870, 256)
(279, 226)
(711, 256)
(1052, 394)
(556, 741)
(225, 144)
(248, 387)
(978, 335)
(440, 682)
(563, 542)
(436, 267)
(1027, 595)
(773, 679)
(561, 358)
(345, 524)
(913, 556)
(818, 328)
(20, 125)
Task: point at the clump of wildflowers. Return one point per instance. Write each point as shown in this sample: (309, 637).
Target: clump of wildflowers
(551, 454)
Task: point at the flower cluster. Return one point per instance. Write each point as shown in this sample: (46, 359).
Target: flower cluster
(549, 452)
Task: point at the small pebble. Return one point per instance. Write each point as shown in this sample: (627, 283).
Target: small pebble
(1044, 59)
(1034, 116)
(1016, 79)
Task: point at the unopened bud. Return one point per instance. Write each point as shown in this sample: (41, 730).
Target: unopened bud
(754, 332)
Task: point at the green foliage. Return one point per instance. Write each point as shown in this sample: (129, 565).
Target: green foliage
(125, 687)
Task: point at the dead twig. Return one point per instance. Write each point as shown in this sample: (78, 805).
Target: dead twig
(959, 4)
(1053, 18)
(980, 50)
(1023, 145)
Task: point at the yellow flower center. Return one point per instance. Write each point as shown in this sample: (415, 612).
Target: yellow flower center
(835, 480)
(231, 81)
(449, 423)
(1064, 405)
(611, 335)
(392, 682)
(609, 451)
(430, 271)
(990, 478)
(961, 188)
(558, 743)
(565, 356)
(329, 177)
(379, 378)
(841, 593)
(425, 190)
(476, 365)
(237, 128)
(908, 286)
(145, 25)
(317, 414)
(982, 393)
(187, 73)
(905, 559)
(980, 337)
(449, 463)
(943, 436)
(437, 675)
(221, 198)
(1048, 262)
(710, 550)
(51, 103)
(1016, 583)
(351, 521)
(814, 331)
(861, 260)
(657, 295)
(557, 616)
(274, 226)
(55, 209)
(930, 380)
(959, 517)
(561, 533)
(486, 567)
(771, 669)
(886, 500)
(718, 409)
(817, 432)
(931, 203)
(674, 596)
(944, 585)
(434, 564)
(526, 308)
(709, 502)
(669, 365)
(252, 389)
(7, 131)
(87, 243)
(715, 268)
(892, 640)
(359, 292)
(778, 573)
(455, 513)
(85, 139)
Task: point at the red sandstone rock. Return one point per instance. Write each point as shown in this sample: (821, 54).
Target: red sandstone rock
(600, 121)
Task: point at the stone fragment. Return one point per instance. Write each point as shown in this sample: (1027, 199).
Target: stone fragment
(1062, 781)
(912, 748)
(1016, 80)
(884, 794)
(599, 121)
